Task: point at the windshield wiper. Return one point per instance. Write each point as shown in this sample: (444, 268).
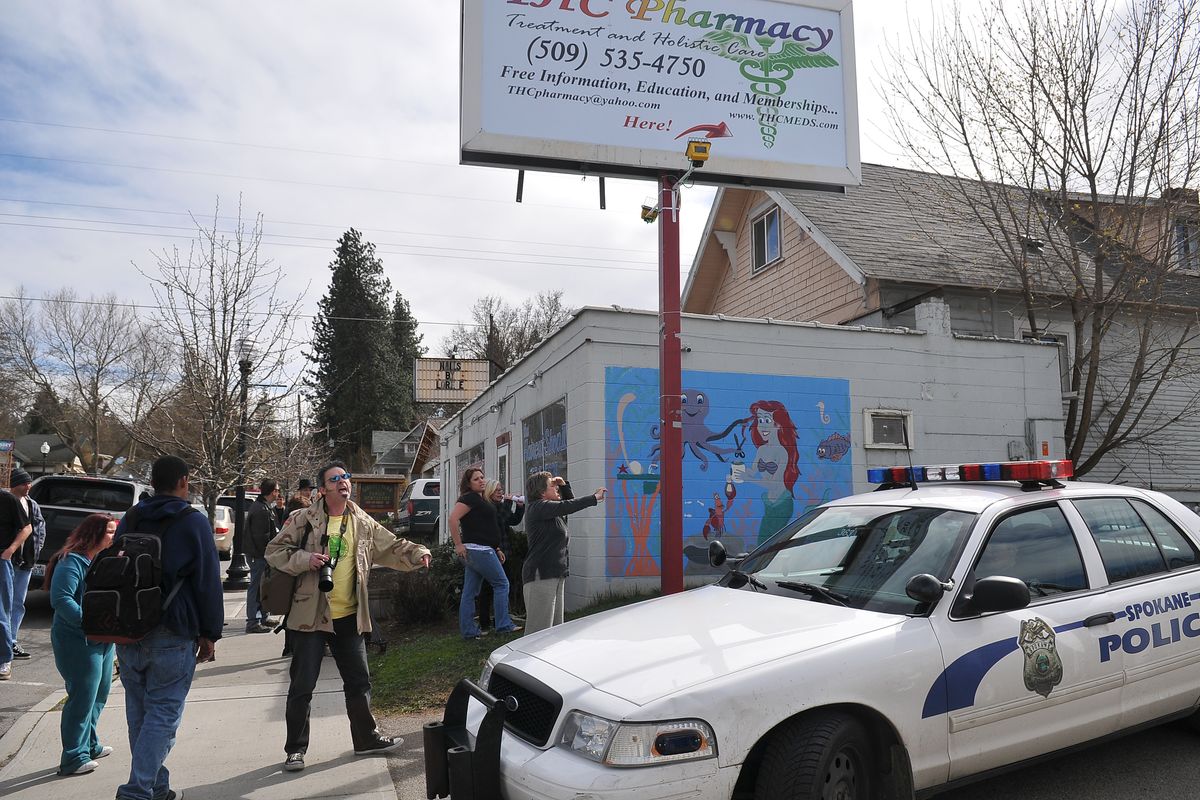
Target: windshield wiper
(744, 578)
(813, 590)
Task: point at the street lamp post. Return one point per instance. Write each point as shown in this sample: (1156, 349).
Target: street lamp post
(238, 574)
(45, 448)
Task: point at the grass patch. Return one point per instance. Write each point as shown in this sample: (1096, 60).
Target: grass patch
(423, 664)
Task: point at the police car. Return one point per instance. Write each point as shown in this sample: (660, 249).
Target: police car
(959, 621)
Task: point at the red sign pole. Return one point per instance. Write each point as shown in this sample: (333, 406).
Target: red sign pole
(671, 388)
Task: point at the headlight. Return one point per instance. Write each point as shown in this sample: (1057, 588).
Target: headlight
(637, 744)
(486, 674)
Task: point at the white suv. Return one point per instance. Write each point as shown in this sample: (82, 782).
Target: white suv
(883, 645)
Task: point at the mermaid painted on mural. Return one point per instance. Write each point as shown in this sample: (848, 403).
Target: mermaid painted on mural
(775, 465)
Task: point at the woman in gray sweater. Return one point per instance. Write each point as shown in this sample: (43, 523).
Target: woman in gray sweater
(544, 574)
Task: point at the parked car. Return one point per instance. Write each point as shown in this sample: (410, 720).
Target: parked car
(66, 500)
(222, 525)
(419, 510)
(891, 644)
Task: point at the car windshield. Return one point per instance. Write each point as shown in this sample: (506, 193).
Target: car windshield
(858, 556)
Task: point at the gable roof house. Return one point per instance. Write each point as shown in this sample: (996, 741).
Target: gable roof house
(872, 255)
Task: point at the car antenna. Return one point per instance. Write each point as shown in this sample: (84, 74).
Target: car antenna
(912, 473)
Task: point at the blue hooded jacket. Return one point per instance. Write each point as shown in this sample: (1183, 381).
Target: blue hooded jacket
(190, 556)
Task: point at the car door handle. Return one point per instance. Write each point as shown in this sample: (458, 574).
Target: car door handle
(1099, 619)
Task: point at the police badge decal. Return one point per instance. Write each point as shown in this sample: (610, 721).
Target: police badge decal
(1043, 667)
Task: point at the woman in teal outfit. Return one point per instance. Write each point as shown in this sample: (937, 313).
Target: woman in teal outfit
(85, 667)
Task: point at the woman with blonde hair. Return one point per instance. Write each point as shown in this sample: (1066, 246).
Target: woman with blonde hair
(510, 511)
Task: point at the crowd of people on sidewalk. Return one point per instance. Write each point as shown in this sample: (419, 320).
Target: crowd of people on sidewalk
(319, 542)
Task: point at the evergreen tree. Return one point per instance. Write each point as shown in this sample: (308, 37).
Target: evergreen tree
(354, 380)
(406, 343)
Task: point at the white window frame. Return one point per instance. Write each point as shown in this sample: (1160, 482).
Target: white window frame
(1067, 349)
(1186, 248)
(869, 415)
(755, 220)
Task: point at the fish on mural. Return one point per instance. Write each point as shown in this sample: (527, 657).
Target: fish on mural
(834, 448)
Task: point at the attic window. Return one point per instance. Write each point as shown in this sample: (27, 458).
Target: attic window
(768, 240)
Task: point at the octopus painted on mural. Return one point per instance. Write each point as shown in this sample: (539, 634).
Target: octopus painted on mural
(698, 438)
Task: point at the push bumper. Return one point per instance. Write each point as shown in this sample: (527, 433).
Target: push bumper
(458, 765)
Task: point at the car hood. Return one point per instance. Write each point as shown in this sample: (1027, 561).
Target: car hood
(648, 650)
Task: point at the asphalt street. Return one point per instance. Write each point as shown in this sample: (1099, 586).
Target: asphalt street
(33, 680)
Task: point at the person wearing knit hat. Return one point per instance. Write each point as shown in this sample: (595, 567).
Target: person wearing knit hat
(16, 562)
(23, 572)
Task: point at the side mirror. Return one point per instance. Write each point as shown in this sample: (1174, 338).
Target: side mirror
(716, 553)
(999, 593)
(925, 588)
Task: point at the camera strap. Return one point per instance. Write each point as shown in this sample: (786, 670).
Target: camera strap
(333, 562)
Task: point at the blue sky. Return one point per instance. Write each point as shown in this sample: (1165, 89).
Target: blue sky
(120, 120)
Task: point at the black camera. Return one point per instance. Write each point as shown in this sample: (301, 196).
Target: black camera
(325, 578)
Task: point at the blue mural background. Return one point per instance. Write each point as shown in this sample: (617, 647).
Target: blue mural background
(759, 450)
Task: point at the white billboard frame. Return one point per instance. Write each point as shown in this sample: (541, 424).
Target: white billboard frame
(482, 148)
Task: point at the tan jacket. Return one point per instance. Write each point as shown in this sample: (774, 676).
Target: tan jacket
(374, 545)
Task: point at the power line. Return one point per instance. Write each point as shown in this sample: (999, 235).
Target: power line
(227, 142)
(320, 247)
(177, 171)
(314, 238)
(322, 225)
(149, 307)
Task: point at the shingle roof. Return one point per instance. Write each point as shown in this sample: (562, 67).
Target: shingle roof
(905, 225)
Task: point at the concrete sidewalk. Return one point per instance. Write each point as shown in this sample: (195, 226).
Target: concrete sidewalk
(230, 743)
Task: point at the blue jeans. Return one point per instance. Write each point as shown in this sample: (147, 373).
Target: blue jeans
(157, 674)
(20, 589)
(483, 565)
(254, 613)
(6, 609)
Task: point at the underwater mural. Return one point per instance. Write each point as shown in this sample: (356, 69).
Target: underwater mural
(758, 451)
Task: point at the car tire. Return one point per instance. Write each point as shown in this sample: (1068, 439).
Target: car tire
(818, 757)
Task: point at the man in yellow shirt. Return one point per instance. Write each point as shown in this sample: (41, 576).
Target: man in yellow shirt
(331, 547)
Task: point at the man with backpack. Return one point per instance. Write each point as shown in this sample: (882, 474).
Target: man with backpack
(157, 669)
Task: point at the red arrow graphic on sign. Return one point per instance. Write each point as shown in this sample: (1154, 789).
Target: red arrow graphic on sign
(710, 131)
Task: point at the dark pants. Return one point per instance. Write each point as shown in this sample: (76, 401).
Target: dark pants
(350, 655)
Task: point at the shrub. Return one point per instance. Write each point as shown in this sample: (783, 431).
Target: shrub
(418, 599)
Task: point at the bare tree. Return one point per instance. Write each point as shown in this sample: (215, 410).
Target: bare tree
(103, 367)
(502, 333)
(1066, 130)
(222, 310)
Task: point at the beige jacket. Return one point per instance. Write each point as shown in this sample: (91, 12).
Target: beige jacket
(374, 545)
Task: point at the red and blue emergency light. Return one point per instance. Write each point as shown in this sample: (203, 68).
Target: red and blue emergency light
(999, 471)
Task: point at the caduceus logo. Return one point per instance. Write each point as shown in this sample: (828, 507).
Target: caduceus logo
(1043, 667)
(770, 65)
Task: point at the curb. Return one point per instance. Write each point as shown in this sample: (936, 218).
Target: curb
(12, 741)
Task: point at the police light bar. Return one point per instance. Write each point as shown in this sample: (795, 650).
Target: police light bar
(999, 471)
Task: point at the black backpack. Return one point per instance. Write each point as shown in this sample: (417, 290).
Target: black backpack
(123, 594)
